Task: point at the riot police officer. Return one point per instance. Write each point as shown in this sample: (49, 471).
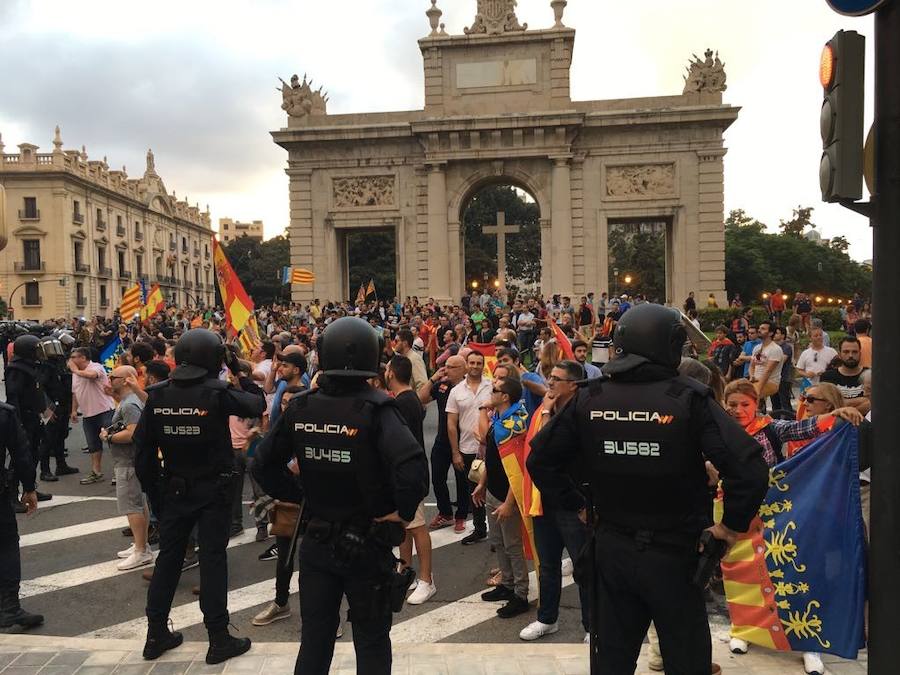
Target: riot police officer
(642, 437)
(184, 455)
(24, 393)
(13, 441)
(55, 379)
(362, 474)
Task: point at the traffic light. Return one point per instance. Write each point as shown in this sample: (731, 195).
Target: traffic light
(842, 74)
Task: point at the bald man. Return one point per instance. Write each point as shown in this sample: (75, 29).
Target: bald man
(129, 497)
(438, 389)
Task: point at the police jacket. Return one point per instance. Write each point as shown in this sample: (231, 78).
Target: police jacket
(640, 440)
(358, 459)
(56, 380)
(187, 422)
(23, 391)
(14, 442)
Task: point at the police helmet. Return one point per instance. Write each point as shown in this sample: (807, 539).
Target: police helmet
(26, 347)
(198, 353)
(350, 347)
(49, 348)
(647, 333)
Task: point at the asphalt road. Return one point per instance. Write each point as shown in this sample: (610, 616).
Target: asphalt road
(69, 554)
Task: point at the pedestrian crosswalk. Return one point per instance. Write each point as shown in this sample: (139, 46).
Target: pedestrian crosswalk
(70, 575)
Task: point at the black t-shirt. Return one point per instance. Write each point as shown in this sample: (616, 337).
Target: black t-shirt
(497, 483)
(413, 413)
(850, 385)
(440, 392)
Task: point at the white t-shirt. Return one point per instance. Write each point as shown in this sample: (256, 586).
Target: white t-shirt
(815, 361)
(465, 403)
(762, 356)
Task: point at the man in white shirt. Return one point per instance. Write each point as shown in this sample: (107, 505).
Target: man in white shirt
(815, 358)
(463, 406)
(765, 364)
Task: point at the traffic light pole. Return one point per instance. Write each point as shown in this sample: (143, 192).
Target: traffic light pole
(884, 583)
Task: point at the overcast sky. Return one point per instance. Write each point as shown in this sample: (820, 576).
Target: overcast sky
(195, 80)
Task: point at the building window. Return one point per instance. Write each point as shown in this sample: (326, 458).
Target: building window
(184, 246)
(122, 266)
(30, 210)
(101, 258)
(104, 301)
(139, 265)
(185, 274)
(80, 300)
(32, 294)
(77, 217)
(138, 233)
(79, 255)
(32, 254)
(159, 267)
(197, 277)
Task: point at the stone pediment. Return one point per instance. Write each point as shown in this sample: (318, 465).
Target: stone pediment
(29, 231)
(160, 203)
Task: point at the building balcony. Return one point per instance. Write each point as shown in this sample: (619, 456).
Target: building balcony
(124, 274)
(80, 302)
(29, 214)
(33, 302)
(101, 225)
(104, 272)
(120, 231)
(30, 266)
(196, 252)
(188, 284)
(78, 218)
(172, 246)
(138, 235)
(104, 303)
(82, 268)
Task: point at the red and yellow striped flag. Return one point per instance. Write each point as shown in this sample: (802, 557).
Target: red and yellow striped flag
(238, 305)
(302, 276)
(132, 303)
(249, 337)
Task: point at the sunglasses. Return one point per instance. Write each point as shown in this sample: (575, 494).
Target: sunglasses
(812, 399)
(554, 378)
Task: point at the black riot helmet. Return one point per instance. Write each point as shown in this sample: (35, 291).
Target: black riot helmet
(26, 347)
(350, 347)
(50, 348)
(198, 353)
(647, 333)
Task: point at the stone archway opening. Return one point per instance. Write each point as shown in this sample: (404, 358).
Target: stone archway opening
(371, 255)
(519, 217)
(639, 251)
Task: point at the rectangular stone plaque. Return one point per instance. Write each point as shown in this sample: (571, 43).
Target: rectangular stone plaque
(508, 73)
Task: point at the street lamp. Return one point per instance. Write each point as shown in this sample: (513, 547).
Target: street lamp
(616, 279)
(627, 279)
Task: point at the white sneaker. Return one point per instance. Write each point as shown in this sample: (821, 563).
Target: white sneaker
(537, 629)
(567, 567)
(812, 664)
(135, 560)
(127, 552)
(738, 646)
(424, 591)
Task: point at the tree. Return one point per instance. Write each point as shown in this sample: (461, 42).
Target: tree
(801, 219)
(739, 219)
(258, 265)
(640, 254)
(839, 243)
(523, 250)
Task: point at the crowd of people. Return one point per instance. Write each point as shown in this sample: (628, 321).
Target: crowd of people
(435, 354)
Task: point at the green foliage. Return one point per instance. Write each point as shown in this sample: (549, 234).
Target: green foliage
(757, 262)
(710, 318)
(372, 255)
(258, 266)
(523, 250)
(801, 219)
(642, 255)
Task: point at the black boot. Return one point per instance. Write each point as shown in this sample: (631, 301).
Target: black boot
(223, 646)
(160, 640)
(63, 469)
(12, 614)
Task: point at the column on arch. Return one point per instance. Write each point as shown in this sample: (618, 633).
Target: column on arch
(439, 240)
(301, 230)
(547, 287)
(561, 218)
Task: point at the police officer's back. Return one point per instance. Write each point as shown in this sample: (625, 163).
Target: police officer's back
(184, 454)
(362, 474)
(642, 438)
(55, 378)
(13, 442)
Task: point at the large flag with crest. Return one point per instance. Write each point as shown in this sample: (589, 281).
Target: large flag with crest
(796, 581)
(238, 305)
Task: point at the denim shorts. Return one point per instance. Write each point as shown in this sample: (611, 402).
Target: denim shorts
(92, 426)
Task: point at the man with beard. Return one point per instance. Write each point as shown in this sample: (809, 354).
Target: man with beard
(847, 377)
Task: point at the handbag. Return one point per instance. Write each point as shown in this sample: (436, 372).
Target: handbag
(283, 517)
(476, 471)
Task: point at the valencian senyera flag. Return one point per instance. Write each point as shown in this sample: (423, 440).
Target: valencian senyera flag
(489, 351)
(796, 581)
(109, 355)
(509, 433)
(249, 336)
(297, 275)
(238, 305)
(132, 303)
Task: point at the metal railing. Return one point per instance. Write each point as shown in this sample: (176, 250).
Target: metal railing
(78, 218)
(28, 214)
(30, 266)
(82, 268)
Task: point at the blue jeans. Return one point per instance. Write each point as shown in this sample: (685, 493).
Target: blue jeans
(553, 531)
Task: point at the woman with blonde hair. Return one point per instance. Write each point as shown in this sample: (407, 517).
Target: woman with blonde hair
(551, 355)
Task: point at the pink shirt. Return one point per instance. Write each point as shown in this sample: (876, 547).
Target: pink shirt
(91, 394)
(240, 431)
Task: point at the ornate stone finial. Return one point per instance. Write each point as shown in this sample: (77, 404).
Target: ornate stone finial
(495, 17)
(443, 32)
(706, 75)
(57, 140)
(434, 17)
(123, 170)
(84, 155)
(559, 6)
(151, 162)
(299, 100)
(207, 209)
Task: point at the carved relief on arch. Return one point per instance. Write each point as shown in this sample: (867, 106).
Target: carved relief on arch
(355, 192)
(640, 180)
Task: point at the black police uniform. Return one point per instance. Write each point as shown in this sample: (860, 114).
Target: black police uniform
(641, 438)
(358, 461)
(185, 421)
(24, 393)
(14, 442)
(55, 379)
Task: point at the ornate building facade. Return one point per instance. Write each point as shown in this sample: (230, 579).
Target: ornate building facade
(79, 234)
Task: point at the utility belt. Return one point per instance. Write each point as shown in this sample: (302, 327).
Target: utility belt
(351, 541)
(181, 485)
(672, 541)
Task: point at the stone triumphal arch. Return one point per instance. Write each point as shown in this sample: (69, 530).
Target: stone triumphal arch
(498, 109)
